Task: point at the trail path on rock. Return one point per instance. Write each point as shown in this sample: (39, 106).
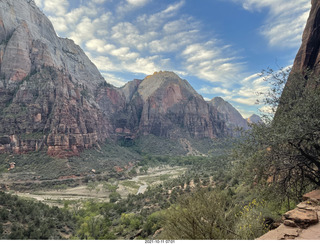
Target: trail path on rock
(302, 223)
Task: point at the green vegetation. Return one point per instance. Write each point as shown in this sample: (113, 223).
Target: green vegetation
(284, 152)
(32, 136)
(25, 219)
(130, 184)
(201, 216)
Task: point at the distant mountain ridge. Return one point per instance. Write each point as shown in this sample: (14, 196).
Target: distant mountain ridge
(228, 113)
(254, 119)
(54, 98)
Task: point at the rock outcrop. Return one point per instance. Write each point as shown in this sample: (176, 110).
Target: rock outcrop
(234, 120)
(301, 223)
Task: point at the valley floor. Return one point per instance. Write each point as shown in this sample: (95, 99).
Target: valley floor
(135, 185)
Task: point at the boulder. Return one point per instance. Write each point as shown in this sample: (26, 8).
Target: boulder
(302, 217)
(312, 195)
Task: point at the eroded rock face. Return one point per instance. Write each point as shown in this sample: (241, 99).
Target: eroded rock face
(307, 60)
(309, 53)
(48, 87)
(167, 106)
(301, 223)
(302, 217)
(228, 113)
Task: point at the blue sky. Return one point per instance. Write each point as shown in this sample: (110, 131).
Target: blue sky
(219, 46)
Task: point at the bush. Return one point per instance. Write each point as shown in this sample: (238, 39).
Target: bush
(202, 216)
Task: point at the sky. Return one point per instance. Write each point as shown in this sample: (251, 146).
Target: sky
(219, 46)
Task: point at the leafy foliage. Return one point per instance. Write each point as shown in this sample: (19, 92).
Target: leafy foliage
(25, 219)
(284, 152)
(204, 215)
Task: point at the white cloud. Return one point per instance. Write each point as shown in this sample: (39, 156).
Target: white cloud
(130, 5)
(100, 46)
(143, 65)
(138, 2)
(113, 79)
(60, 24)
(245, 113)
(99, 1)
(124, 53)
(212, 62)
(104, 63)
(267, 109)
(247, 92)
(246, 101)
(174, 7)
(159, 19)
(215, 91)
(39, 3)
(57, 7)
(285, 22)
(84, 31)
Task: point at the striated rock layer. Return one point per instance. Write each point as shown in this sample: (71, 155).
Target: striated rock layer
(48, 87)
(301, 223)
(308, 56)
(234, 120)
(170, 107)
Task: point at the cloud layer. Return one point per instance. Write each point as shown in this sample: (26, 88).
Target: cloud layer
(286, 20)
(160, 40)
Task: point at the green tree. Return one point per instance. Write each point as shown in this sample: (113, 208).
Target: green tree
(91, 186)
(114, 196)
(284, 151)
(153, 223)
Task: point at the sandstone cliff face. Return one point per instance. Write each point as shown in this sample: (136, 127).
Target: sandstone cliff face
(48, 87)
(228, 113)
(308, 56)
(307, 60)
(167, 106)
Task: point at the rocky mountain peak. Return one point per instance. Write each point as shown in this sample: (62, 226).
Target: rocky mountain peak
(51, 94)
(29, 42)
(217, 101)
(164, 80)
(229, 114)
(130, 89)
(254, 119)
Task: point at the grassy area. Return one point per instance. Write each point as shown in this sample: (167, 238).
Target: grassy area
(174, 147)
(130, 184)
